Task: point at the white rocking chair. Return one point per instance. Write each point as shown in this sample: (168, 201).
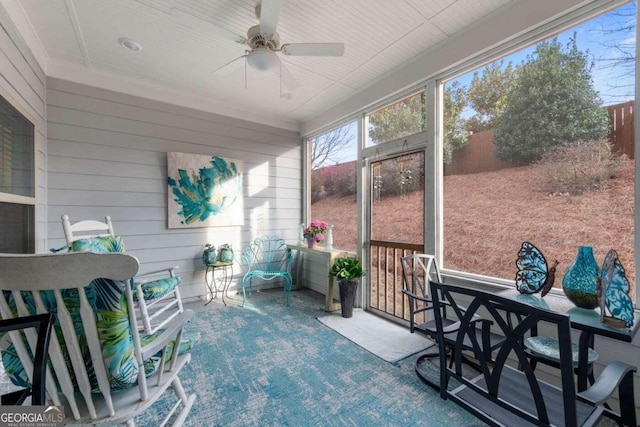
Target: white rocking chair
(157, 294)
(101, 377)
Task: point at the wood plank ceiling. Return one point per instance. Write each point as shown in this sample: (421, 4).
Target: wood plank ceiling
(379, 36)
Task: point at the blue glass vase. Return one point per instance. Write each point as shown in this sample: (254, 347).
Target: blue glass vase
(579, 282)
(226, 254)
(209, 255)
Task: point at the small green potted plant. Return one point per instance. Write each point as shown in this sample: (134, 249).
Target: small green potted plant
(347, 271)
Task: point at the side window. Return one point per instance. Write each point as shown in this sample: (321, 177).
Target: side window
(17, 178)
(334, 183)
(402, 118)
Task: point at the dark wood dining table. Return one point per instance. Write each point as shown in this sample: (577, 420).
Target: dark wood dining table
(586, 321)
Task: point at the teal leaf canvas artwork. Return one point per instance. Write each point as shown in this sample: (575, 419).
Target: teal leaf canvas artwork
(204, 191)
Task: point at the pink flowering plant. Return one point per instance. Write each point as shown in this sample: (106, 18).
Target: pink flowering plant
(316, 230)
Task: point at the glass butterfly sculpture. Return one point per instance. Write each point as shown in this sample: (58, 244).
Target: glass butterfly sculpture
(616, 306)
(534, 274)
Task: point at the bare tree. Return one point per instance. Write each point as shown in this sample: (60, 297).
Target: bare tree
(616, 34)
(326, 149)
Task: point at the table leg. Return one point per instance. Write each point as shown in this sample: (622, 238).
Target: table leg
(329, 304)
(585, 342)
(225, 282)
(211, 284)
(299, 259)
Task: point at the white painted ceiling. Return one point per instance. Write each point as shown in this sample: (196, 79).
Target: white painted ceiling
(380, 36)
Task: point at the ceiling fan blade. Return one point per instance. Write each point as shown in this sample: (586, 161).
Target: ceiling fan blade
(313, 49)
(192, 21)
(287, 78)
(269, 14)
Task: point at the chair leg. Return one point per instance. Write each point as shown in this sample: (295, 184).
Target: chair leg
(176, 384)
(187, 401)
(627, 400)
(590, 376)
(288, 284)
(423, 378)
(244, 295)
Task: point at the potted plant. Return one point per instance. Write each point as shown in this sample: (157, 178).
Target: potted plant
(347, 271)
(315, 232)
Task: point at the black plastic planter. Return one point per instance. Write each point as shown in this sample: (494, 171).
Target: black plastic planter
(347, 296)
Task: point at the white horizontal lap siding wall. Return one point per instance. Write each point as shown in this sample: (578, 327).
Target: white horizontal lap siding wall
(108, 156)
(23, 83)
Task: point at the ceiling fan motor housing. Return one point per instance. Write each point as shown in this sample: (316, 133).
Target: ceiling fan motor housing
(256, 39)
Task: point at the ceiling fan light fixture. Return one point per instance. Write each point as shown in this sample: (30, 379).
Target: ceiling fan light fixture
(263, 59)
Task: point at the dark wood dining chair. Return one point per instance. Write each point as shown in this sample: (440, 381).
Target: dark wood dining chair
(507, 392)
(42, 323)
(417, 271)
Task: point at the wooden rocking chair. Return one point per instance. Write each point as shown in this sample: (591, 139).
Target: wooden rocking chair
(157, 294)
(99, 368)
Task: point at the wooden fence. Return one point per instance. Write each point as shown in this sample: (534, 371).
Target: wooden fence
(478, 155)
(621, 119)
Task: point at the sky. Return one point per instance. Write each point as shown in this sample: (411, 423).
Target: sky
(604, 38)
(598, 38)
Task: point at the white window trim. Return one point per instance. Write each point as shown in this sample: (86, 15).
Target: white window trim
(37, 192)
(14, 198)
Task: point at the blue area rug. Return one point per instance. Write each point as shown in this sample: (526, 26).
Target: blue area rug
(272, 365)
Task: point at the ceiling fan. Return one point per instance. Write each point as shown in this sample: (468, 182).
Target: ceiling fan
(263, 41)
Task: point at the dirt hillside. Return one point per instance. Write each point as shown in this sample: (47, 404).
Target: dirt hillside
(519, 210)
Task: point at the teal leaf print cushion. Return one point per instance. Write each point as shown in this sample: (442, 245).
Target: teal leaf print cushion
(99, 244)
(116, 337)
(151, 290)
(108, 300)
(159, 288)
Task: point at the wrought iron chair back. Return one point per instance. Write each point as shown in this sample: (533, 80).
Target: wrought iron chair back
(267, 258)
(417, 270)
(507, 392)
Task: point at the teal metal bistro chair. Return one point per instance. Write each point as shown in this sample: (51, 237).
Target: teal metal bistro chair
(268, 258)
